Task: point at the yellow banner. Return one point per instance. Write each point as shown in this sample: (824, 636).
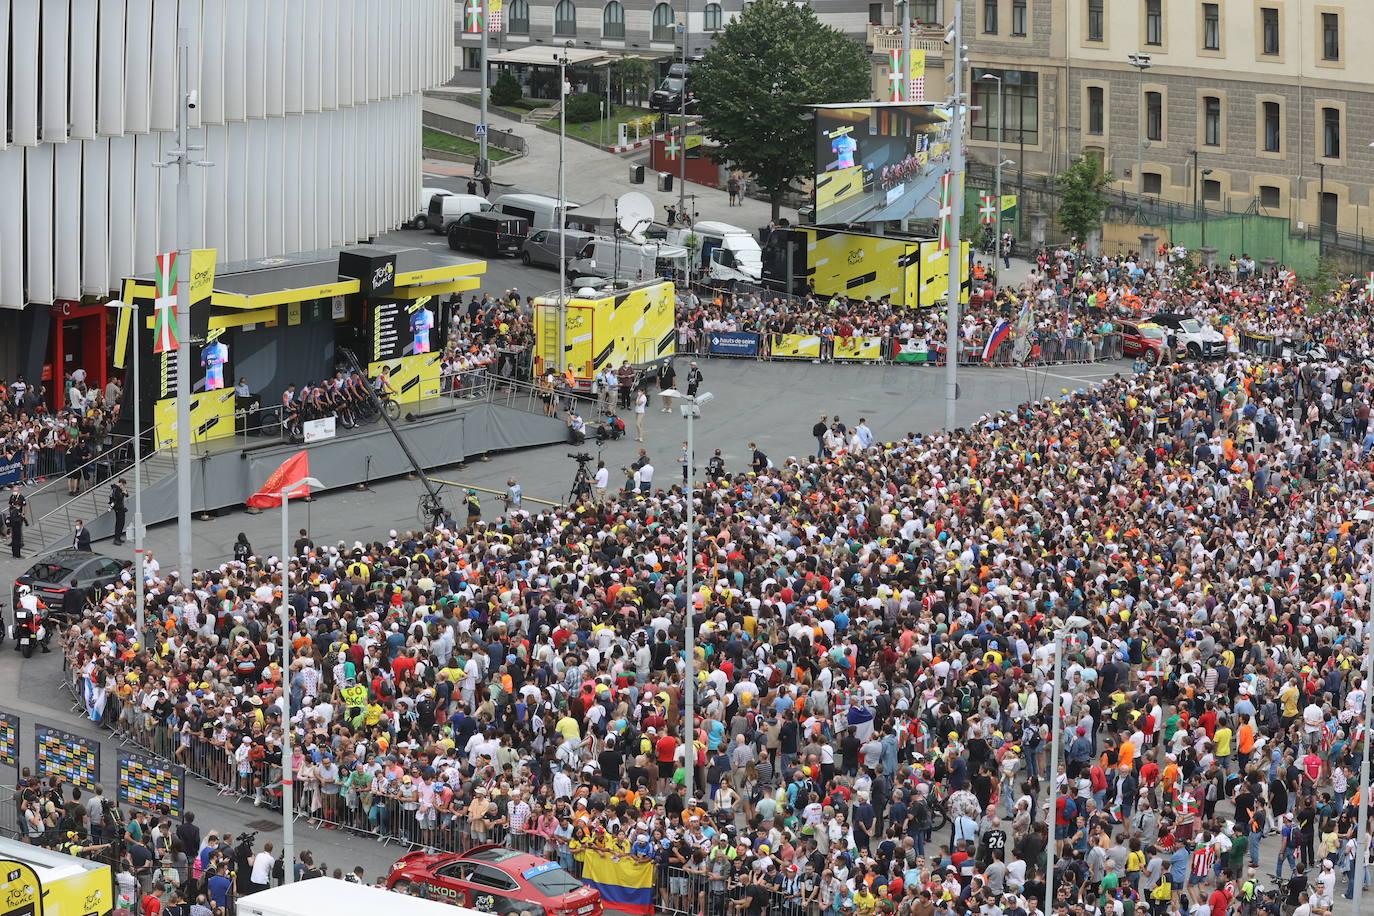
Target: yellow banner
(21, 892)
(1008, 201)
(414, 378)
(798, 346)
(858, 348)
(212, 417)
(86, 894)
(202, 275)
(934, 281)
(918, 65)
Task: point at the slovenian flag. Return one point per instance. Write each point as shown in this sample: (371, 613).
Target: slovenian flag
(995, 339)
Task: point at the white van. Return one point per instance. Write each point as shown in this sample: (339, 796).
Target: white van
(539, 211)
(421, 218)
(341, 898)
(724, 252)
(444, 210)
(629, 260)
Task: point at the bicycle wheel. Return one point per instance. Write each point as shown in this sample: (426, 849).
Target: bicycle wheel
(294, 430)
(939, 819)
(393, 410)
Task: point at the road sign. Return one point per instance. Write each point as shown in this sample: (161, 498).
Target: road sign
(481, 130)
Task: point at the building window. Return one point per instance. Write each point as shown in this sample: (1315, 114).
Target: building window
(1211, 27)
(1095, 20)
(518, 19)
(1154, 183)
(663, 23)
(1211, 189)
(565, 18)
(926, 12)
(1096, 106)
(1154, 116)
(1020, 103)
(1273, 130)
(713, 17)
(1154, 22)
(1331, 133)
(990, 16)
(1211, 121)
(613, 20)
(1331, 36)
(875, 14)
(1019, 26)
(1269, 197)
(1269, 21)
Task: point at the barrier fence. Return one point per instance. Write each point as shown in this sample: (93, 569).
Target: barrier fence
(679, 888)
(1047, 349)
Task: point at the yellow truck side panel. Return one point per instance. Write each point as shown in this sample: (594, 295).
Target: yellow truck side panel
(635, 325)
(859, 266)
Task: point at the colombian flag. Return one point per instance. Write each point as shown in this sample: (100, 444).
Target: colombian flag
(625, 884)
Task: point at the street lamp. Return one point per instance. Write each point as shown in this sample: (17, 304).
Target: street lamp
(138, 466)
(562, 203)
(288, 802)
(1205, 173)
(691, 410)
(1141, 62)
(1362, 825)
(1001, 113)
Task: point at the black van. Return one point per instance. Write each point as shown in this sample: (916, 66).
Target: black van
(490, 233)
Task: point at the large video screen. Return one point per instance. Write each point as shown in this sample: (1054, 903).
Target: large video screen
(878, 162)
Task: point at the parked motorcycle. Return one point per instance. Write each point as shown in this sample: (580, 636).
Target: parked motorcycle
(29, 629)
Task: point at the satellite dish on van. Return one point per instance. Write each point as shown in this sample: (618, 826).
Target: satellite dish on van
(633, 213)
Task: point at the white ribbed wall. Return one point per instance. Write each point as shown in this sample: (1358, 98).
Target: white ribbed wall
(309, 110)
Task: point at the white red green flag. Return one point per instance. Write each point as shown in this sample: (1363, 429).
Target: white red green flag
(946, 210)
(1369, 287)
(165, 335)
(987, 209)
(896, 75)
(472, 17)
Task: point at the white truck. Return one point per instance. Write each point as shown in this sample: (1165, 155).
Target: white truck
(626, 259)
(342, 898)
(724, 253)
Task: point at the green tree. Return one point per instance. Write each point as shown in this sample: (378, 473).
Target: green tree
(754, 84)
(507, 89)
(632, 78)
(1082, 197)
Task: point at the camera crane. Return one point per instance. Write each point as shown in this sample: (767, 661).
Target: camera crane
(432, 509)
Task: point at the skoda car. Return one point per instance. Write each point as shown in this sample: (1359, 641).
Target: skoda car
(495, 879)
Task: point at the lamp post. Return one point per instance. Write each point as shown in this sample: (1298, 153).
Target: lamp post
(691, 410)
(1321, 217)
(1362, 825)
(138, 465)
(955, 204)
(1193, 153)
(1205, 173)
(562, 205)
(483, 168)
(1141, 62)
(288, 802)
(1001, 118)
(682, 124)
(1053, 768)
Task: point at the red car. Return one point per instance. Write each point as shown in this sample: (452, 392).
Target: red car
(495, 879)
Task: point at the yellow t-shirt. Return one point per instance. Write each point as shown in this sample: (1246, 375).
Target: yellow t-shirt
(568, 728)
(1222, 738)
(1289, 696)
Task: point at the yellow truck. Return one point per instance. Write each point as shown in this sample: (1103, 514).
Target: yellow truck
(606, 327)
(908, 270)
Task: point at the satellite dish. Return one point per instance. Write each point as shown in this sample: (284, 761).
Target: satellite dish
(633, 212)
(587, 292)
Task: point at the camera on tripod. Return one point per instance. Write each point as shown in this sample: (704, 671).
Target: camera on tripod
(580, 457)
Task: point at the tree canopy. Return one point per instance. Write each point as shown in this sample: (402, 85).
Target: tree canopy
(754, 84)
(1082, 197)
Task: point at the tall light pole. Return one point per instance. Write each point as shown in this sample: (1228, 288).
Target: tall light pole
(483, 166)
(956, 204)
(1141, 62)
(1362, 825)
(137, 389)
(906, 80)
(181, 158)
(1053, 768)
(562, 206)
(691, 409)
(682, 124)
(288, 801)
(1001, 118)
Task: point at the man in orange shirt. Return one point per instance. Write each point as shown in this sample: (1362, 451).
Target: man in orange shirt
(1245, 742)
(665, 752)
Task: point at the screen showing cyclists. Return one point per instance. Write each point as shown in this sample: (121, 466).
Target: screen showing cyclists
(878, 162)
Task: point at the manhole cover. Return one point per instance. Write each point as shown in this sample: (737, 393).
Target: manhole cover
(264, 824)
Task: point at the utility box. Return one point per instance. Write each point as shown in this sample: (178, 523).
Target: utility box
(636, 174)
(665, 181)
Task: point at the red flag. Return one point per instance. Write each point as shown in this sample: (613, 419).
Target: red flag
(292, 470)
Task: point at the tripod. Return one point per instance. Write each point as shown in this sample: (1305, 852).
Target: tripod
(581, 484)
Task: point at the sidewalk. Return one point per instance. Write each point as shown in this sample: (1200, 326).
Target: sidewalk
(590, 172)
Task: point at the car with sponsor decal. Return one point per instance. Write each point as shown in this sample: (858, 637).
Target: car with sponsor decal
(1143, 339)
(495, 879)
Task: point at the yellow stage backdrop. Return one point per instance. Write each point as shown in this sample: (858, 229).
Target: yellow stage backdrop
(21, 892)
(415, 378)
(212, 417)
(86, 894)
(796, 346)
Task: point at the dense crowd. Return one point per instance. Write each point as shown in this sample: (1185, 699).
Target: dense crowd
(46, 443)
(875, 647)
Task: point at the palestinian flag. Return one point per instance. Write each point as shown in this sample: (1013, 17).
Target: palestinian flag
(165, 335)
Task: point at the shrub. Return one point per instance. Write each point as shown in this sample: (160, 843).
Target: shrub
(582, 108)
(507, 89)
